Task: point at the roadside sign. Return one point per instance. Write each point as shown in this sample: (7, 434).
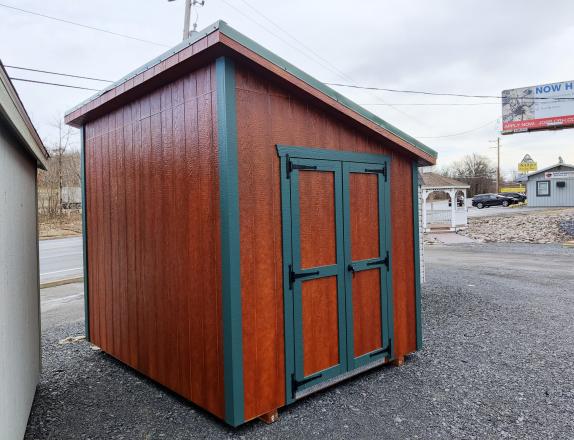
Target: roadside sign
(559, 175)
(542, 107)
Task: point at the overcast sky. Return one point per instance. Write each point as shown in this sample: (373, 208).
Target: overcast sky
(453, 46)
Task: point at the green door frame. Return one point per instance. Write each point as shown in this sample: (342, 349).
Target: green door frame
(288, 154)
(382, 262)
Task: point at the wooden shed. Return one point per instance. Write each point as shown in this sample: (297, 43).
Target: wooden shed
(251, 235)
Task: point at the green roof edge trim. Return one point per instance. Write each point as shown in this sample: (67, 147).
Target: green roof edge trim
(315, 83)
(247, 42)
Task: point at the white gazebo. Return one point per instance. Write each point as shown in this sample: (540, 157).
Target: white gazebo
(438, 215)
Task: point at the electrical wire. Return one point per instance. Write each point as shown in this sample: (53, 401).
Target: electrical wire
(52, 84)
(458, 134)
(57, 73)
(309, 49)
(315, 58)
(461, 95)
(117, 34)
(438, 103)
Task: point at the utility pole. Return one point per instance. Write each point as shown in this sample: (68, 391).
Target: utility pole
(497, 163)
(187, 17)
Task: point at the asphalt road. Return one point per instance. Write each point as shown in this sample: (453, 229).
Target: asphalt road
(60, 258)
(497, 363)
(61, 305)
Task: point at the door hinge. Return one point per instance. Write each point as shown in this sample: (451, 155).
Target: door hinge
(294, 276)
(296, 166)
(382, 171)
(384, 261)
(297, 383)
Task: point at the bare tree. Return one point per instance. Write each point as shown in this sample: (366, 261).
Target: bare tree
(476, 171)
(63, 171)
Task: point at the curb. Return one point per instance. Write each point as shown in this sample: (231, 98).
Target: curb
(58, 237)
(61, 282)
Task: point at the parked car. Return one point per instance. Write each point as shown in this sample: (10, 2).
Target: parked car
(518, 196)
(488, 200)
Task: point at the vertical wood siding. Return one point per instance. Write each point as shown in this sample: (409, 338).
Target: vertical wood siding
(154, 237)
(267, 115)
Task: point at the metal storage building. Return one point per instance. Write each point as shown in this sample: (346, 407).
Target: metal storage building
(550, 186)
(252, 235)
(21, 154)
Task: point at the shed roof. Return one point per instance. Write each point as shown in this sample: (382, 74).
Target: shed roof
(221, 39)
(12, 111)
(437, 181)
(535, 173)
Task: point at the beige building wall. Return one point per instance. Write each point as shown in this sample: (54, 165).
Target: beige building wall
(19, 294)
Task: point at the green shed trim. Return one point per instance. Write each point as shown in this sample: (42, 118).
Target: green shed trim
(227, 30)
(256, 48)
(417, 257)
(84, 232)
(325, 154)
(230, 242)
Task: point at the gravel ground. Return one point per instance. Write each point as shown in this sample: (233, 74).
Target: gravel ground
(497, 363)
(551, 225)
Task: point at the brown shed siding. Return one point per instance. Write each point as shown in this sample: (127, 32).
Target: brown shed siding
(154, 262)
(269, 114)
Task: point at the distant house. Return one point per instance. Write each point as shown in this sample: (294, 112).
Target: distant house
(550, 186)
(21, 154)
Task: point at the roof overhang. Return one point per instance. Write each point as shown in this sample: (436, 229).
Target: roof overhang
(13, 112)
(221, 39)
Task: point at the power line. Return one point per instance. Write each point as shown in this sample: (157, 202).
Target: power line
(457, 134)
(52, 84)
(309, 49)
(437, 103)
(57, 73)
(461, 95)
(85, 26)
(315, 57)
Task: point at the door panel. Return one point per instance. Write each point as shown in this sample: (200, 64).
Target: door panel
(317, 218)
(367, 334)
(317, 273)
(320, 324)
(364, 213)
(367, 263)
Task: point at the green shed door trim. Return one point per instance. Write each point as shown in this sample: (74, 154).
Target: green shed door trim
(230, 240)
(85, 231)
(417, 257)
(286, 153)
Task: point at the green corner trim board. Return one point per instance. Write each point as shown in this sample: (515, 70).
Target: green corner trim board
(245, 41)
(84, 232)
(230, 241)
(417, 257)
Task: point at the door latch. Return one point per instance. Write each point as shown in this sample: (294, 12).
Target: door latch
(294, 276)
(384, 261)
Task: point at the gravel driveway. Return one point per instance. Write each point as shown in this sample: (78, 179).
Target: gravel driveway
(498, 362)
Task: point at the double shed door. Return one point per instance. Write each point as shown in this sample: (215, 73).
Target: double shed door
(340, 310)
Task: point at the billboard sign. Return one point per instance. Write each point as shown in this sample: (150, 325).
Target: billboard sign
(544, 107)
